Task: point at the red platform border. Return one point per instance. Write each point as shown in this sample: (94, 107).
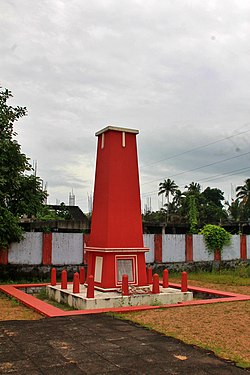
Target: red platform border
(50, 311)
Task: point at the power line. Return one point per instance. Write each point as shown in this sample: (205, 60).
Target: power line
(216, 177)
(202, 166)
(206, 179)
(194, 149)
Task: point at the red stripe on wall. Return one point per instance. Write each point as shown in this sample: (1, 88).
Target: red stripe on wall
(4, 256)
(158, 248)
(189, 247)
(217, 255)
(86, 238)
(243, 247)
(47, 248)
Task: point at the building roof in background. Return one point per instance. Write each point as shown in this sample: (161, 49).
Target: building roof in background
(75, 211)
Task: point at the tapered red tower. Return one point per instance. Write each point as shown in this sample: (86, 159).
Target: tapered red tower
(116, 240)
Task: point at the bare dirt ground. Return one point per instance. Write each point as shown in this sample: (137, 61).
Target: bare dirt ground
(223, 328)
(12, 310)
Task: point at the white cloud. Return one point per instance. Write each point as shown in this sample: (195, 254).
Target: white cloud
(178, 71)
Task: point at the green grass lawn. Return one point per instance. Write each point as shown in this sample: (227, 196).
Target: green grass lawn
(239, 276)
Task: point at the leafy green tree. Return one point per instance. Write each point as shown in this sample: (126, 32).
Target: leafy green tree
(20, 191)
(210, 209)
(156, 217)
(193, 215)
(210, 213)
(188, 201)
(192, 206)
(26, 198)
(10, 231)
(49, 213)
(214, 195)
(215, 237)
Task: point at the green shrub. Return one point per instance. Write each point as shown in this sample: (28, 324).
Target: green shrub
(215, 237)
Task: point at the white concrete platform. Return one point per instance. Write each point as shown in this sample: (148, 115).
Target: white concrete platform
(102, 300)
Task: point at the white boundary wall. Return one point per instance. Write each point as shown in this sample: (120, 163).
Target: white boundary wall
(199, 249)
(149, 242)
(248, 246)
(173, 248)
(28, 251)
(232, 251)
(67, 248)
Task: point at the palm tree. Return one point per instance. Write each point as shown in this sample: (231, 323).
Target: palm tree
(193, 188)
(178, 197)
(243, 192)
(234, 210)
(167, 187)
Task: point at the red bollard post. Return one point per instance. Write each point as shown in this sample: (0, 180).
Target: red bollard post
(125, 289)
(165, 283)
(76, 283)
(82, 275)
(156, 285)
(184, 287)
(64, 281)
(90, 288)
(53, 277)
(150, 275)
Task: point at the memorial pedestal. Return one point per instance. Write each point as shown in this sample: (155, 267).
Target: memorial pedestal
(108, 266)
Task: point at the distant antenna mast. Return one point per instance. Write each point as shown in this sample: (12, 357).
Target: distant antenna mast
(72, 199)
(46, 191)
(147, 206)
(90, 203)
(34, 165)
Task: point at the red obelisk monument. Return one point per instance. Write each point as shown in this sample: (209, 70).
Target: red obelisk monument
(116, 241)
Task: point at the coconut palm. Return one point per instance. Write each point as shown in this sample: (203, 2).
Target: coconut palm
(167, 187)
(234, 210)
(193, 188)
(178, 198)
(243, 192)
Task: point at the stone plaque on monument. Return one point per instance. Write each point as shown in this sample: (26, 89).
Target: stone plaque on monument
(125, 267)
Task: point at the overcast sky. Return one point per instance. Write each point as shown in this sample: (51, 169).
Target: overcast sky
(179, 71)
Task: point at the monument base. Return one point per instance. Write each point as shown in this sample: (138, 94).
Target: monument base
(107, 265)
(102, 300)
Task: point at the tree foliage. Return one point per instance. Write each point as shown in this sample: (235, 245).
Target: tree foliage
(50, 213)
(198, 208)
(192, 215)
(10, 231)
(243, 192)
(243, 200)
(214, 195)
(215, 237)
(167, 187)
(20, 190)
